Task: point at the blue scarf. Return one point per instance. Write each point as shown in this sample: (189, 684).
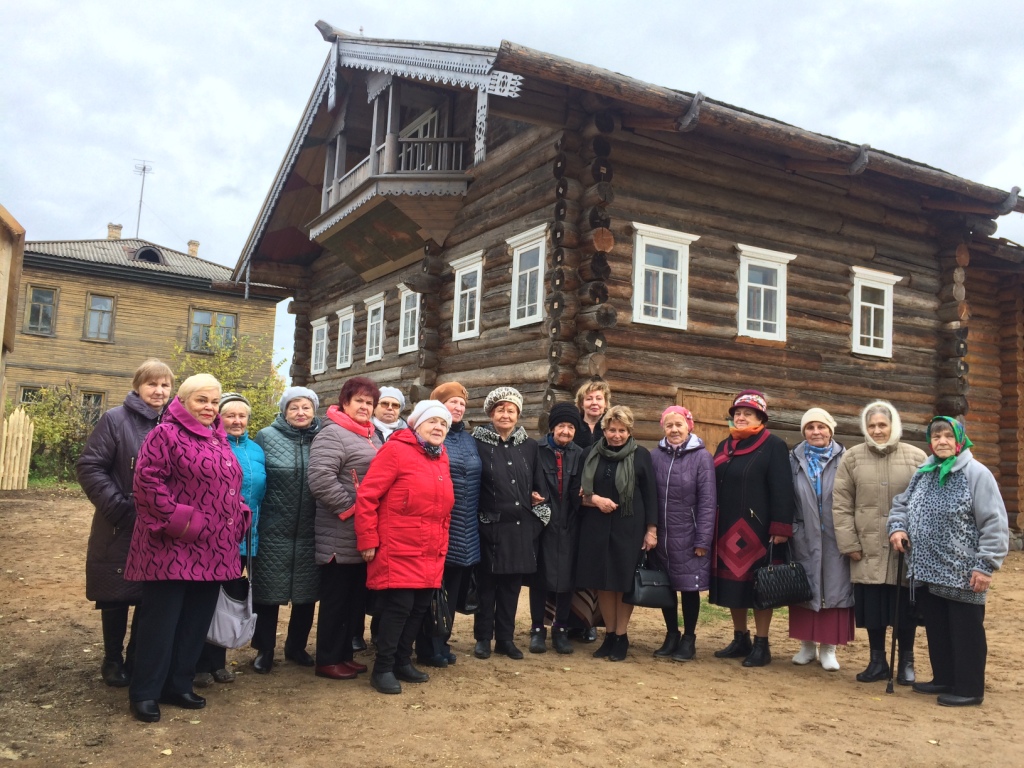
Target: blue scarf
(817, 458)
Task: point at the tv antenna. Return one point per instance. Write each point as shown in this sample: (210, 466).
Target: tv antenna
(141, 169)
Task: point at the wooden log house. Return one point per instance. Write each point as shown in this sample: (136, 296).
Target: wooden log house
(505, 216)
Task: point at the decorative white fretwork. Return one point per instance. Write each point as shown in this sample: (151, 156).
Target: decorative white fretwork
(480, 135)
(505, 84)
(376, 84)
(332, 78)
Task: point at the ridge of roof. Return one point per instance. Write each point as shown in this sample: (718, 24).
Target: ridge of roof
(119, 252)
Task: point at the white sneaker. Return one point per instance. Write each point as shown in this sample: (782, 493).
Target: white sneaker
(828, 658)
(808, 652)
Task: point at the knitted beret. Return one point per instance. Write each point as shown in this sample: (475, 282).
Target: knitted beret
(503, 395)
(818, 414)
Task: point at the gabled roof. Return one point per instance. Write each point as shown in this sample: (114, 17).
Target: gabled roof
(122, 252)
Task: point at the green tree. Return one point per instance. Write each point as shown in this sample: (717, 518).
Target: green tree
(62, 423)
(242, 365)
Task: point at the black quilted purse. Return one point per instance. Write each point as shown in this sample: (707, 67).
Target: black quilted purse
(776, 585)
(651, 587)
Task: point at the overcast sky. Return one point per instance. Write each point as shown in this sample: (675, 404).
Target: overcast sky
(209, 93)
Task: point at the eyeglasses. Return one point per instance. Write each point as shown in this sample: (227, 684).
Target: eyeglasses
(391, 406)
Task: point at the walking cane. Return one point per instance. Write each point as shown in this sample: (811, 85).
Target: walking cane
(895, 621)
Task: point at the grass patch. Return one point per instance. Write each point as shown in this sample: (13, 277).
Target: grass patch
(37, 483)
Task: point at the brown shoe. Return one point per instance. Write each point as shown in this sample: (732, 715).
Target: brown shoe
(336, 672)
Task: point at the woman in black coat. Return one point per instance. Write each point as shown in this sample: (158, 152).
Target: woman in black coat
(508, 528)
(619, 518)
(559, 473)
(105, 472)
(755, 508)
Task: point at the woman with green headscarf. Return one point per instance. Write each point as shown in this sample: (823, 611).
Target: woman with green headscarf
(618, 519)
(952, 524)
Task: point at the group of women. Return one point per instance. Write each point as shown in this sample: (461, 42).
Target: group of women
(365, 512)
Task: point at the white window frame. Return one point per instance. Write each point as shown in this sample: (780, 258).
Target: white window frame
(520, 244)
(346, 332)
(883, 281)
(761, 257)
(374, 304)
(409, 320)
(664, 238)
(474, 262)
(318, 354)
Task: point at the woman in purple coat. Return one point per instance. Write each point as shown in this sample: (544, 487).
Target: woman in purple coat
(190, 521)
(685, 474)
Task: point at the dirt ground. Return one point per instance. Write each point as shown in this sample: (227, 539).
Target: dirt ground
(545, 710)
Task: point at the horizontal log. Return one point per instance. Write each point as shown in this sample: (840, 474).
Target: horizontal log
(601, 123)
(568, 189)
(565, 234)
(559, 304)
(598, 218)
(596, 318)
(427, 358)
(498, 375)
(596, 267)
(563, 278)
(591, 341)
(565, 210)
(593, 293)
(566, 165)
(538, 178)
(561, 376)
(955, 405)
(600, 170)
(563, 353)
(959, 310)
(595, 148)
(567, 257)
(598, 240)
(594, 364)
(953, 386)
(561, 328)
(600, 194)
(956, 367)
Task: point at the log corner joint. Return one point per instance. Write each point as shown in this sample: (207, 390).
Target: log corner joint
(689, 121)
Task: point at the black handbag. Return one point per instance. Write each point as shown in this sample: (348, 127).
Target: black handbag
(779, 584)
(439, 621)
(468, 600)
(651, 587)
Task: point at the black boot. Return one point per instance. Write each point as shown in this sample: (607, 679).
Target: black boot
(739, 648)
(538, 636)
(905, 668)
(760, 655)
(687, 648)
(114, 673)
(606, 647)
(670, 645)
(620, 648)
(877, 669)
(560, 640)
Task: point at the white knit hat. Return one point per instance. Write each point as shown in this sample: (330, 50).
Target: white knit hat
(427, 409)
(395, 394)
(818, 414)
(503, 395)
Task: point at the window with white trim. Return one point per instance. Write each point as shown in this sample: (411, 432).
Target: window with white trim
(762, 299)
(661, 265)
(408, 324)
(374, 327)
(346, 321)
(528, 257)
(872, 311)
(318, 360)
(469, 273)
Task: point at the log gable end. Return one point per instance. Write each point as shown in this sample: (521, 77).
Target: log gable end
(597, 226)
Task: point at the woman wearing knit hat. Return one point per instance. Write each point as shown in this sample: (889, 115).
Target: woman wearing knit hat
(464, 533)
(387, 414)
(402, 514)
(870, 476)
(285, 571)
(559, 473)
(828, 618)
(755, 506)
(508, 528)
(685, 475)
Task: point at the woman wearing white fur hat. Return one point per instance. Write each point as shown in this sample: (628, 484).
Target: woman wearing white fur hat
(826, 621)
(869, 477)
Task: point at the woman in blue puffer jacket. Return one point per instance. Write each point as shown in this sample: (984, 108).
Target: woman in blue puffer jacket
(464, 534)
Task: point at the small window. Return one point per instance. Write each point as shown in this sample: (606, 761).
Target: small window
(468, 278)
(346, 318)
(661, 265)
(99, 321)
(762, 300)
(92, 406)
(528, 257)
(872, 311)
(209, 328)
(318, 363)
(42, 311)
(408, 330)
(374, 327)
(30, 395)
(150, 254)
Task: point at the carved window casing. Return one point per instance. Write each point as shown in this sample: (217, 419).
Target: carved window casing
(871, 301)
(374, 327)
(529, 254)
(318, 358)
(762, 298)
(408, 325)
(346, 322)
(661, 265)
(468, 283)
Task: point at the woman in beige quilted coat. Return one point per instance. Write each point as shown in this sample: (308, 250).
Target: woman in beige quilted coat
(869, 477)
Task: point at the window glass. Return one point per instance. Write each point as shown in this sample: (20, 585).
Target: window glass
(41, 310)
(101, 315)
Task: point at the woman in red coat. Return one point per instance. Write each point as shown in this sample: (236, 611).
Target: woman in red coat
(403, 509)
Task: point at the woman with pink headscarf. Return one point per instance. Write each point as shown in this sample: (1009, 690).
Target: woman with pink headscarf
(685, 475)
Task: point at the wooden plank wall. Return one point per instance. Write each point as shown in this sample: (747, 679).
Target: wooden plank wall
(985, 376)
(1011, 423)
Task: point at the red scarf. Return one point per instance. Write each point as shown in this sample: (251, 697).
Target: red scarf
(342, 419)
(729, 447)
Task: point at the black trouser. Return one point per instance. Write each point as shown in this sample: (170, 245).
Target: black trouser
(539, 598)
(212, 658)
(499, 598)
(401, 614)
(456, 581)
(691, 611)
(342, 607)
(957, 647)
(114, 620)
(175, 618)
(301, 622)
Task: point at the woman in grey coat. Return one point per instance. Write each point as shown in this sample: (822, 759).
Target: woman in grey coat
(338, 462)
(828, 617)
(952, 521)
(285, 570)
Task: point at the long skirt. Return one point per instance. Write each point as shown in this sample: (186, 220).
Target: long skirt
(831, 626)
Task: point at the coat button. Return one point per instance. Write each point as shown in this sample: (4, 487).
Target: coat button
(232, 492)
(517, 504)
(513, 482)
(120, 570)
(230, 521)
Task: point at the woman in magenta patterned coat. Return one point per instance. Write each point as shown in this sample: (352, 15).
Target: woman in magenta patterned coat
(190, 521)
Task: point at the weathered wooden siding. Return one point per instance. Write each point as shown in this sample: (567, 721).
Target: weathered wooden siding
(1011, 421)
(983, 358)
(148, 321)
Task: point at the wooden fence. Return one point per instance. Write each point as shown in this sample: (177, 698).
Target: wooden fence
(15, 450)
